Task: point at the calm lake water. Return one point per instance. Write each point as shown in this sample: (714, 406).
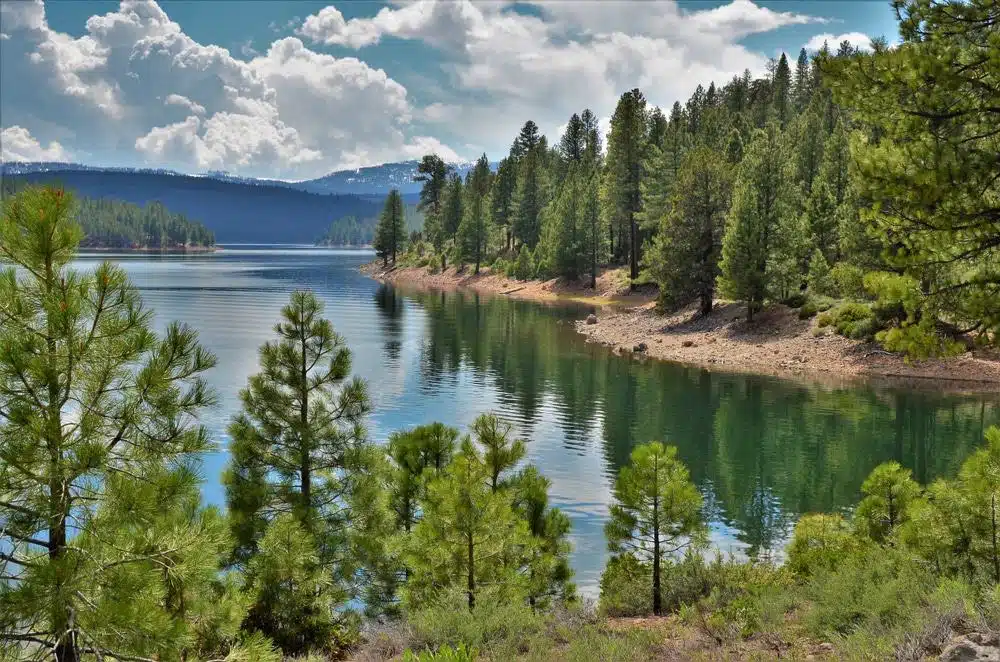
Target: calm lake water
(762, 450)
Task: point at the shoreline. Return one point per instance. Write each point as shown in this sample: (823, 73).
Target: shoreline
(777, 344)
(149, 249)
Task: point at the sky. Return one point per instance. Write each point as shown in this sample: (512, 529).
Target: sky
(293, 90)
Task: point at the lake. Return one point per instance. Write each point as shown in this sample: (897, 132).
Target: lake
(761, 450)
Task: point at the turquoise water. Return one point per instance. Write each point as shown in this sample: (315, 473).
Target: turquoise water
(762, 450)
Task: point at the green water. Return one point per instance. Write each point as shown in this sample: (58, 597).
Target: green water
(762, 450)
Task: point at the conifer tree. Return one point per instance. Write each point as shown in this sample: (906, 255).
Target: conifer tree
(684, 255)
(626, 148)
(418, 456)
(755, 219)
(592, 136)
(932, 103)
(529, 197)
(502, 200)
(782, 91)
(591, 235)
(560, 243)
(573, 141)
(803, 85)
(390, 231)
(299, 446)
(469, 537)
(473, 231)
(500, 451)
(549, 573)
(453, 210)
(656, 512)
(433, 172)
(98, 427)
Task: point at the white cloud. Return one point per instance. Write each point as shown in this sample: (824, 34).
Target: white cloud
(856, 39)
(573, 54)
(17, 144)
(178, 100)
(290, 112)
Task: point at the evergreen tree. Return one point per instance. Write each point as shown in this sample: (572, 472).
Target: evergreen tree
(626, 148)
(500, 452)
(529, 197)
(98, 454)
(474, 228)
(453, 211)
(299, 445)
(684, 256)
(549, 571)
(560, 243)
(803, 85)
(755, 219)
(390, 231)
(418, 456)
(574, 140)
(782, 91)
(819, 279)
(433, 172)
(468, 537)
(502, 200)
(931, 174)
(592, 135)
(656, 512)
(592, 247)
(527, 140)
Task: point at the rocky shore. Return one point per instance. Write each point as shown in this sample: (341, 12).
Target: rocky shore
(776, 343)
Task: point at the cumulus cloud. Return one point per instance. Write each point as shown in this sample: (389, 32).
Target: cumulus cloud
(17, 144)
(141, 86)
(566, 55)
(856, 39)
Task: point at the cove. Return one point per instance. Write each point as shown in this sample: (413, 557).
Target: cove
(762, 450)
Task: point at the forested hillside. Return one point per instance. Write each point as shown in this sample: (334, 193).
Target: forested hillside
(862, 184)
(116, 224)
(236, 212)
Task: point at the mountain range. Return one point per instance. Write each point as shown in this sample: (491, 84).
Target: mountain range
(241, 209)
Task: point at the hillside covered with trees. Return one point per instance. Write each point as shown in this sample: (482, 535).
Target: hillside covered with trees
(863, 185)
(122, 225)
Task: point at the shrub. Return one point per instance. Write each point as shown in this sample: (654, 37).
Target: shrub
(625, 586)
(820, 542)
(502, 266)
(796, 300)
(847, 281)
(444, 654)
(876, 590)
(851, 319)
(495, 627)
(814, 305)
(524, 265)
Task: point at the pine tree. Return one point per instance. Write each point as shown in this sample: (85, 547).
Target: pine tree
(469, 537)
(502, 200)
(623, 190)
(97, 428)
(299, 445)
(527, 140)
(656, 512)
(803, 86)
(819, 274)
(474, 228)
(574, 140)
(390, 231)
(549, 571)
(755, 219)
(684, 255)
(932, 102)
(529, 198)
(782, 90)
(592, 247)
(453, 210)
(560, 244)
(418, 456)
(592, 135)
(433, 172)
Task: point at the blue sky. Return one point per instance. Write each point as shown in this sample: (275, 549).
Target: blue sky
(296, 89)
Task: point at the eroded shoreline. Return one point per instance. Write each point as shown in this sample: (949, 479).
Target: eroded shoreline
(777, 343)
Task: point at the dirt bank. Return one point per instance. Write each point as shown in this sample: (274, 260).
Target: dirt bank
(776, 343)
(612, 285)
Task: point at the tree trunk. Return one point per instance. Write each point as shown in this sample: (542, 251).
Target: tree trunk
(706, 303)
(657, 606)
(996, 555)
(634, 251)
(306, 459)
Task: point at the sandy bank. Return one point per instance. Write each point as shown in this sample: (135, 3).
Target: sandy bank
(776, 343)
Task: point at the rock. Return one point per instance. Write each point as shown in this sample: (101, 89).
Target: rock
(641, 347)
(967, 649)
(687, 343)
(592, 319)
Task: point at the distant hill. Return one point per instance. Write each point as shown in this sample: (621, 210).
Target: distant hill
(249, 211)
(375, 180)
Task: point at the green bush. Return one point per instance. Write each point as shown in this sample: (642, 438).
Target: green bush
(820, 542)
(524, 265)
(626, 587)
(815, 305)
(848, 281)
(444, 654)
(876, 589)
(495, 627)
(796, 300)
(502, 266)
(851, 319)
